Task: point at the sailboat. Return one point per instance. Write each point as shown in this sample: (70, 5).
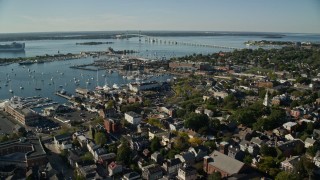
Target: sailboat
(106, 87)
(115, 86)
(37, 88)
(98, 87)
(10, 90)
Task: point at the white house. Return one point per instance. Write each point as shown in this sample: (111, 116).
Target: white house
(132, 118)
(309, 142)
(62, 142)
(136, 87)
(289, 125)
(208, 112)
(187, 173)
(171, 166)
(316, 159)
(92, 147)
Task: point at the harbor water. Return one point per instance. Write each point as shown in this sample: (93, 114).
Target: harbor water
(54, 76)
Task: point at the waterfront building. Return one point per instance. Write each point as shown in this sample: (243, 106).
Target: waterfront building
(23, 115)
(82, 91)
(136, 87)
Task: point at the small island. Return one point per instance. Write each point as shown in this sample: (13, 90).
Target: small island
(112, 51)
(282, 43)
(268, 43)
(93, 43)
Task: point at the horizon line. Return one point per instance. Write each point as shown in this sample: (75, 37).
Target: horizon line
(203, 31)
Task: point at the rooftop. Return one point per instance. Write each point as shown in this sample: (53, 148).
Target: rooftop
(225, 163)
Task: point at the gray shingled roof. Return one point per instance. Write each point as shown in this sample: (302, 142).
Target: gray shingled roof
(226, 163)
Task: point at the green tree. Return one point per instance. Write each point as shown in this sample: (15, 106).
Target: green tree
(305, 167)
(87, 157)
(172, 153)
(136, 107)
(181, 113)
(196, 121)
(77, 176)
(285, 176)
(112, 148)
(268, 164)
(247, 159)
(110, 104)
(191, 108)
(156, 122)
(303, 80)
(244, 116)
(215, 176)
(181, 143)
(147, 103)
(312, 150)
(230, 102)
(214, 124)
(100, 138)
(4, 138)
(211, 145)
(275, 119)
(123, 153)
(299, 149)
(155, 144)
(265, 150)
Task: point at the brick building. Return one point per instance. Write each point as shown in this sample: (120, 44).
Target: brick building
(24, 116)
(219, 162)
(112, 125)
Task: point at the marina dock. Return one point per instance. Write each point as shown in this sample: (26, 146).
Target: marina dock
(63, 95)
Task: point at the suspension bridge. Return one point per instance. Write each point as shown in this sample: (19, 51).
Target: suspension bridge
(157, 40)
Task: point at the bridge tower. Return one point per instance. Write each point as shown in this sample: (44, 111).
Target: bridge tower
(127, 35)
(139, 36)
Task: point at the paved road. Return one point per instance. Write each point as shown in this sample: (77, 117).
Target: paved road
(57, 162)
(6, 125)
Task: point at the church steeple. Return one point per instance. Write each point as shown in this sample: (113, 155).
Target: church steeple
(266, 101)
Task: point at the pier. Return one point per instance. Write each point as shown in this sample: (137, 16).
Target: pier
(85, 67)
(63, 95)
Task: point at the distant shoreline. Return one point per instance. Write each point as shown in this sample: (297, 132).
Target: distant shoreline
(93, 43)
(113, 35)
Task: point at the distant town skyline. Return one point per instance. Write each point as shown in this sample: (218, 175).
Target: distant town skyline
(292, 16)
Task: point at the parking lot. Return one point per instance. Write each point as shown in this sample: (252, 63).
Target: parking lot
(6, 126)
(77, 116)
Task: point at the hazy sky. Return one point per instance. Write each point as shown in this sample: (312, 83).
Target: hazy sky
(208, 15)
